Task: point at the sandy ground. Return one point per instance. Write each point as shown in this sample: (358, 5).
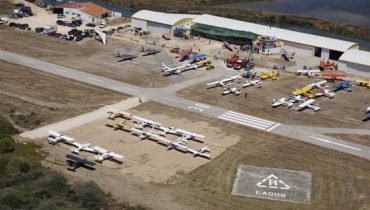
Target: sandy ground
(31, 98)
(344, 110)
(147, 159)
(339, 181)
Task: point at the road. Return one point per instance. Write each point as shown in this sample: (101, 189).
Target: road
(167, 96)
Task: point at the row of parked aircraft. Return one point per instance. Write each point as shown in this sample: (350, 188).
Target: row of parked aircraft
(101, 154)
(157, 132)
(226, 84)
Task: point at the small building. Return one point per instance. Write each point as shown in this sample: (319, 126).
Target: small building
(302, 43)
(354, 60)
(161, 23)
(86, 11)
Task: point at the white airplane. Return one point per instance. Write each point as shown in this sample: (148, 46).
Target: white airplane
(325, 92)
(281, 101)
(297, 98)
(180, 132)
(55, 137)
(142, 134)
(142, 122)
(248, 83)
(113, 113)
(231, 90)
(103, 154)
(81, 147)
(308, 104)
(308, 72)
(178, 69)
(171, 144)
(319, 84)
(223, 81)
(201, 152)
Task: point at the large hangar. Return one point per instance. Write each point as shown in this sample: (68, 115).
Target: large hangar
(301, 43)
(355, 60)
(161, 23)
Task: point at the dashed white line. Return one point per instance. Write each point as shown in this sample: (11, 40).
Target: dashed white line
(332, 142)
(273, 127)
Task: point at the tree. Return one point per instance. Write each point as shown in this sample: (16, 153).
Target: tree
(7, 144)
(90, 195)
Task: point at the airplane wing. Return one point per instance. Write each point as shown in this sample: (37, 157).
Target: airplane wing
(215, 83)
(306, 103)
(115, 155)
(161, 140)
(67, 138)
(298, 92)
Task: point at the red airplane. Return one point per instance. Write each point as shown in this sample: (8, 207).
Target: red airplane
(327, 65)
(332, 77)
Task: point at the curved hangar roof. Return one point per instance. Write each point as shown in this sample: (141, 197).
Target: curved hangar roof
(356, 56)
(282, 34)
(159, 17)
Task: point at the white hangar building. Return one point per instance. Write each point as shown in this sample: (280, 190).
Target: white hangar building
(301, 43)
(355, 60)
(160, 23)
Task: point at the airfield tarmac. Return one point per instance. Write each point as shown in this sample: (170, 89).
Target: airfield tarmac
(339, 181)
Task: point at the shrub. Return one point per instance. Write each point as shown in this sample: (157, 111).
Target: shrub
(7, 144)
(90, 195)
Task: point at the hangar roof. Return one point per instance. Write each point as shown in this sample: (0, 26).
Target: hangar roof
(159, 17)
(356, 56)
(282, 34)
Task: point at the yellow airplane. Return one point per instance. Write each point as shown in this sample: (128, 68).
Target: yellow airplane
(122, 125)
(363, 83)
(271, 75)
(304, 91)
(204, 62)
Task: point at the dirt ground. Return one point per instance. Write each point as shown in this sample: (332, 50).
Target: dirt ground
(147, 159)
(93, 57)
(358, 139)
(5, 7)
(339, 181)
(344, 110)
(31, 98)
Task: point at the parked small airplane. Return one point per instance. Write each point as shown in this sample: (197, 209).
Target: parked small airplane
(248, 83)
(122, 125)
(116, 113)
(125, 57)
(81, 147)
(281, 101)
(142, 123)
(55, 137)
(180, 132)
(345, 85)
(223, 81)
(198, 58)
(309, 72)
(171, 144)
(178, 69)
(363, 83)
(327, 65)
(151, 52)
(142, 134)
(332, 77)
(271, 75)
(77, 162)
(103, 154)
(231, 90)
(308, 104)
(201, 152)
(304, 91)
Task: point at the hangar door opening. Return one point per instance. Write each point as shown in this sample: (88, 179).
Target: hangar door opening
(334, 55)
(159, 28)
(318, 51)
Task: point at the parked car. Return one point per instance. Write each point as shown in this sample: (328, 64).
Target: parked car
(70, 38)
(90, 24)
(166, 37)
(77, 22)
(3, 20)
(14, 16)
(61, 23)
(71, 25)
(103, 24)
(19, 5)
(39, 29)
(60, 16)
(79, 38)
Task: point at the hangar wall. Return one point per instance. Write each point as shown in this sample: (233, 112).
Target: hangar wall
(299, 49)
(138, 23)
(158, 28)
(350, 67)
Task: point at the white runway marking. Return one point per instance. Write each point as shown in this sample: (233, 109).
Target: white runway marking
(96, 80)
(60, 70)
(273, 127)
(170, 99)
(331, 142)
(247, 120)
(135, 90)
